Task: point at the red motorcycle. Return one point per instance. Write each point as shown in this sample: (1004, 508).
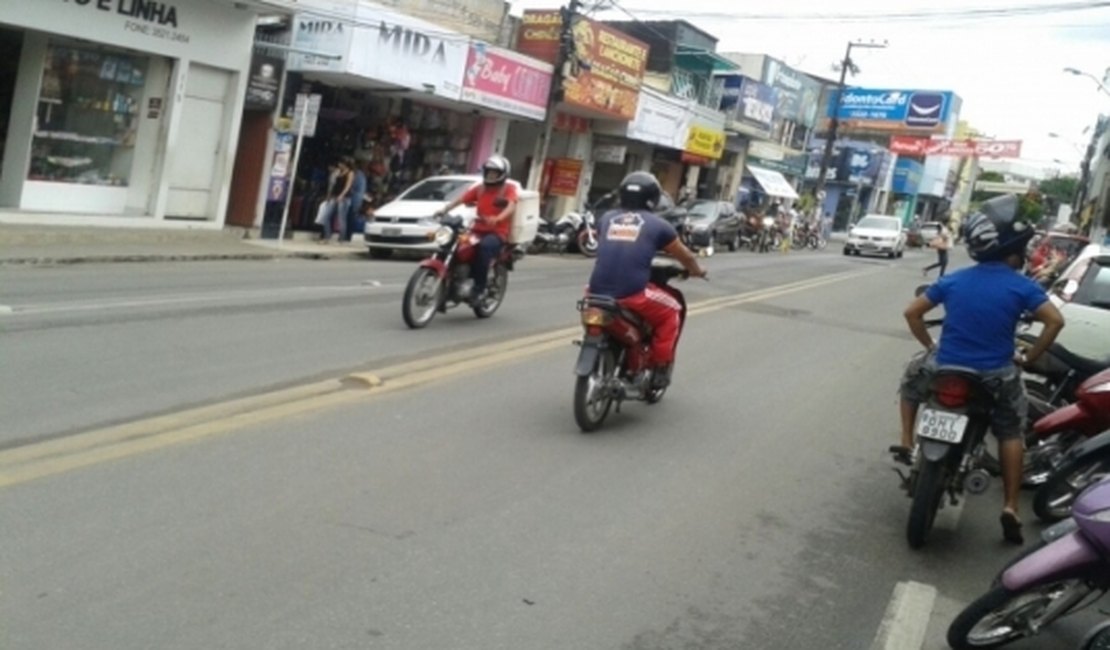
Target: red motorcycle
(1084, 463)
(616, 350)
(443, 280)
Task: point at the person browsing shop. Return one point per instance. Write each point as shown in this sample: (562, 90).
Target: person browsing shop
(496, 200)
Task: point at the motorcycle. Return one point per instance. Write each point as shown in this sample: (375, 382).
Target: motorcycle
(1052, 580)
(615, 351)
(1098, 638)
(442, 281)
(1084, 463)
(577, 227)
(767, 237)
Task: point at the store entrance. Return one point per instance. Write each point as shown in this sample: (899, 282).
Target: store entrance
(11, 44)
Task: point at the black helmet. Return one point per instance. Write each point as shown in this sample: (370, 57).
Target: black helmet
(499, 166)
(639, 191)
(994, 232)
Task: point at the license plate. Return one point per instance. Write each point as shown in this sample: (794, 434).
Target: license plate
(940, 425)
(391, 232)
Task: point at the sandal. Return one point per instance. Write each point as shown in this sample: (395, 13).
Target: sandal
(1011, 527)
(903, 455)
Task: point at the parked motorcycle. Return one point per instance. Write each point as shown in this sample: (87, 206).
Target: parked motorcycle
(1098, 638)
(1081, 464)
(579, 228)
(1051, 581)
(442, 281)
(615, 352)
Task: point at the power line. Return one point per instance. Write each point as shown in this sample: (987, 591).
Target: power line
(917, 15)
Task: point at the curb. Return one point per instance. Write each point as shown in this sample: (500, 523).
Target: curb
(200, 257)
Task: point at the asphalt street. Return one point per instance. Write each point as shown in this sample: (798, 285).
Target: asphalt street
(753, 508)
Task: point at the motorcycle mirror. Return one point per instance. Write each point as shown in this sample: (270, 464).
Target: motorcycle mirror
(1098, 638)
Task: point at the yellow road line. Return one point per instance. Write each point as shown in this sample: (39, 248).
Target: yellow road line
(39, 460)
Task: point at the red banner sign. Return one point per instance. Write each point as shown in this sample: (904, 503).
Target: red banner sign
(565, 175)
(911, 146)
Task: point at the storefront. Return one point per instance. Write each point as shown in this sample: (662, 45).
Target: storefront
(128, 109)
(391, 98)
(653, 141)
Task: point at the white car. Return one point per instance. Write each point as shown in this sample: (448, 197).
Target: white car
(877, 234)
(408, 222)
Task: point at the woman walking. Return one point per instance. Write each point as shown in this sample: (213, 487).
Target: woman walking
(942, 242)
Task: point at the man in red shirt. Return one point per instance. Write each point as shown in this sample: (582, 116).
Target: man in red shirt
(496, 200)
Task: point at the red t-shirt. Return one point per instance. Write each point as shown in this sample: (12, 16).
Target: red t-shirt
(485, 198)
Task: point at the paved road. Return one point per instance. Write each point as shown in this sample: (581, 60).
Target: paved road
(752, 508)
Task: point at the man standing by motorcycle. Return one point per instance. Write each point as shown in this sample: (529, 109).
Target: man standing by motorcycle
(983, 305)
(496, 199)
(629, 238)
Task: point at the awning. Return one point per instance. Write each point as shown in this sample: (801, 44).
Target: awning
(772, 182)
(703, 59)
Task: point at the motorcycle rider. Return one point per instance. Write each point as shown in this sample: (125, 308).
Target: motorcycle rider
(983, 305)
(628, 239)
(496, 201)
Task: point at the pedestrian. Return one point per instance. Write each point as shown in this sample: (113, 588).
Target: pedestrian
(356, 197)
(941, 243)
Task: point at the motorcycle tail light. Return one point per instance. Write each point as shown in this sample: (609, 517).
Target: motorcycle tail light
(952, 391)
(596, 317)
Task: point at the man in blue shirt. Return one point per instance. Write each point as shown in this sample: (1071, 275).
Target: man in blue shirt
(983, 305)
(628, 239)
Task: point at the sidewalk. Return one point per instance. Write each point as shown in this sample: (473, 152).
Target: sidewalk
(65, 245)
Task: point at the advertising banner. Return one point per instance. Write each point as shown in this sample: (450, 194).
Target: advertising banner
(506, 81)
(565, 176)
(797, 94)
(750, 105)
(885, 109)
(911, 146)
(907, 176)
(705, 142)
(606, 67)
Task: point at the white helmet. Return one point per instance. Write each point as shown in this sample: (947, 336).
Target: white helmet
(498, 166)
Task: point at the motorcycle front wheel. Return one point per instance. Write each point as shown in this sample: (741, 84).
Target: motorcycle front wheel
(587, 245)
(1002, 616)
(927, 494)
(495, 293)
(422, 296)
(592, 399)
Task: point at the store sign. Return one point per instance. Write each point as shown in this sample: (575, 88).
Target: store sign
(660, 119)
(606, 66)
(571, 123)
(566, 173)
(765, 150)
(750, 105)
(506, 81)
(481, 19)
(199, 30)
(907, 176)
(709, 143)
(967, 148)
(610, 153)
(263, 83)
(384, 46)
(797, 94)
(893, 110)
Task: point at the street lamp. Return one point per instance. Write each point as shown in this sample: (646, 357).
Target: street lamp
(830, 137)
(1080, 73)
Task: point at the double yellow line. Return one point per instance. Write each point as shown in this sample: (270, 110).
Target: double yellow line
(42, 459)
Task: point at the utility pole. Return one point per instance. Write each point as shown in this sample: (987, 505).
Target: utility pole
(834, 124)
(555, 97)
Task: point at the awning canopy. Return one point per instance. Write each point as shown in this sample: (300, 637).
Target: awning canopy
(697, 57)
(772, 182)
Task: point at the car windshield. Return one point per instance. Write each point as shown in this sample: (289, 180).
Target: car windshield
(703, 210)
(436, 189)
(878, 223)
(1094, 289)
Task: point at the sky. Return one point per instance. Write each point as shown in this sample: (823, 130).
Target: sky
(1008, 70)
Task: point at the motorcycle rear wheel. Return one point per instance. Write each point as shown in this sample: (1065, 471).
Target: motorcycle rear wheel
(419, 305)
(927, 494)
(1002, 616)
(591, 402)
(495, 293)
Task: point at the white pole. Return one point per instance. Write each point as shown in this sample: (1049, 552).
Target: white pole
(293, 173)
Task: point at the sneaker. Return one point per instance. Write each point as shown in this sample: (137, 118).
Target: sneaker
(661, 378)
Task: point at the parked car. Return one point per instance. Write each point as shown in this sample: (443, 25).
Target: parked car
(1082, 293)
(712, 223)
(876, 234)
(1071, 280)
(407, 222)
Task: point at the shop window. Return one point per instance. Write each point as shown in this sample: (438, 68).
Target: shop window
(87, 115)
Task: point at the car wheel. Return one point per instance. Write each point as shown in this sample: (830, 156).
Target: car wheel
(846, 251)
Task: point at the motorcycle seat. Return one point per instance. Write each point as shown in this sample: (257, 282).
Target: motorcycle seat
(1085, 366)
(610, 304)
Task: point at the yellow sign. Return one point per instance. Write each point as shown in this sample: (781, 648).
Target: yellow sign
(706, 142)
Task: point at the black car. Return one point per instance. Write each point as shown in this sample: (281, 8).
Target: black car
(712, 223)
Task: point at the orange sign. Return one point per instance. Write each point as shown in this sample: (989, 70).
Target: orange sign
(606, 67)
(565, 175)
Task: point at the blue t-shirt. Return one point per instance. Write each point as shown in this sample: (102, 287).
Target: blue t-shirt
(627, 242)
(982, 307)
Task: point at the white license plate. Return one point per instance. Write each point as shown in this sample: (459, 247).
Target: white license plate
(391, 232)
(941, 425)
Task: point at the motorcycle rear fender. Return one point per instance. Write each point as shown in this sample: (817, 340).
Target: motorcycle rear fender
(1072, 416)
(587, 357)
(1071, 556)
(436, 265)
(935, 451)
